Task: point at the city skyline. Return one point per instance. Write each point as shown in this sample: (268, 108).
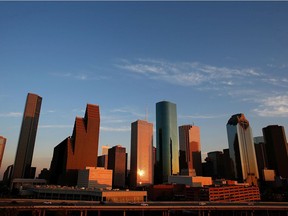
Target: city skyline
(212, 59)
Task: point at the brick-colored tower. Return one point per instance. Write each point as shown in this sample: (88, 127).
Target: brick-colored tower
(78, 151)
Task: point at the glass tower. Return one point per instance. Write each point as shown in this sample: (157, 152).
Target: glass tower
(241, 149)
(25, 149)
(190, 150)
(141, 162)
(2, 148)
(167, 159)
(277, 148)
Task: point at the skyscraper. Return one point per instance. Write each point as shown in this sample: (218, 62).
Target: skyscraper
(217, 159)
(261, 155)
(25, 149)
(141, 162)
(2, 148)
(166, 141)
(117, 161)
(277, 149)
(78, 151)
(190, 150)
(241, 149)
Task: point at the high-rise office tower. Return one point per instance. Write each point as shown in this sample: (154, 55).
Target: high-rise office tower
(78, 151)
(2, 148)
(190, 162)
(166, 141)
(103, 159)
(217, 159)
(117, 161)
(105, 150)
(141, 158)
(241, 149)
(228, 171)
(7, 175)
(261, 155)
(277, 149)
(25, 149)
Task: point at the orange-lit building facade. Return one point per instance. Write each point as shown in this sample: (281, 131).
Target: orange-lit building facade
(27, 137)
(2, 148)
(141, 161)
(229, 193)
(78, 151)
(190, 150)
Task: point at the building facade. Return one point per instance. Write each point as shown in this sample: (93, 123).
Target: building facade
(276, 145)
(25, 148)
(217, 159)
(190, 162)
(167, 159)
(78, 151)
(117, 161)
(241, 149)
(2, 148)
(95, 177)
(261, 155)
(141, 158)
(229, 193)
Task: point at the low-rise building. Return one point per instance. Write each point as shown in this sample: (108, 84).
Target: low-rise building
(228, 193)
(70, 193)
(193, 181)
(95, 177)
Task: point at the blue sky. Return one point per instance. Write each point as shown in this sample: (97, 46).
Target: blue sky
(213, 59)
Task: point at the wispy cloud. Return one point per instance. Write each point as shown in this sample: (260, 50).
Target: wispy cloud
(187, 73)
(80, 76)
(129, 111)
(278, 66)
(55, 126)
(115, 129)
(273, 106)
(11, 114)
(202, 116)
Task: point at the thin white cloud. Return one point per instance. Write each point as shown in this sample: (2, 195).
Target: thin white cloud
(273, 107)
(278, 66)
(11, 114)
(202, 116)
(55, 126)
(280, 82)
(115, 129)
(80, 76)
(187, 73)
(129, 111)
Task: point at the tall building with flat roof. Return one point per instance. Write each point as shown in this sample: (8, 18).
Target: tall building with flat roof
(277, 149)
(166, 141)
(2, 148)
(261, 155)
(105, 150)
(190, 161)
(117, 161)
(241, 149)
(27, 137)
(141, 158)
(217, 159)
(78, 151)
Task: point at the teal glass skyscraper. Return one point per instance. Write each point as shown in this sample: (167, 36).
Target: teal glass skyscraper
(167, 159)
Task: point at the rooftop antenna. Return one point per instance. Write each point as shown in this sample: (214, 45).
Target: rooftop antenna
(146, 114)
